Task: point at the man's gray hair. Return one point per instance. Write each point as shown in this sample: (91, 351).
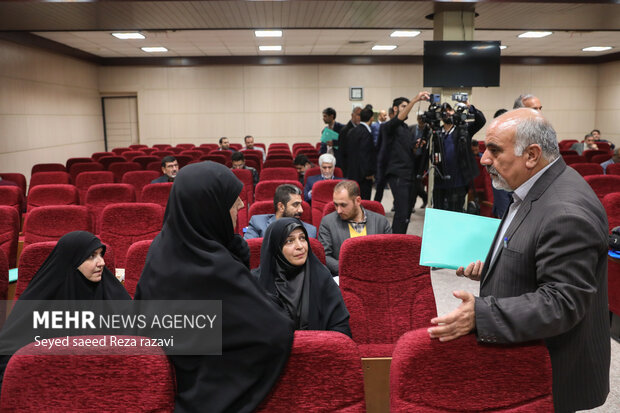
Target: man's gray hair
(537, 130)
(519, 101)
(327, 158)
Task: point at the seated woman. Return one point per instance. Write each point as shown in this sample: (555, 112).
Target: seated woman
(298, 282)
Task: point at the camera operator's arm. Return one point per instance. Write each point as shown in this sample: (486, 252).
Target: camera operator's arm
(479, 120)
(402, 115)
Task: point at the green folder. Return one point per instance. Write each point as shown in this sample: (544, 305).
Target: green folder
(328, 135)
(454, 239)
(12, 275)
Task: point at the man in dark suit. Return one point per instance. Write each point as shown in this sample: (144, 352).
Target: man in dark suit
(362, 154)
(545, 276)
(169, 168)
(343, 139)
(327, 163)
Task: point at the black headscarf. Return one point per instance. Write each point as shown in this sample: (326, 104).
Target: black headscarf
(308, 293)
(194, 258)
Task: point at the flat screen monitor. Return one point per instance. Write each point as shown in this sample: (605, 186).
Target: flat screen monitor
(461, 63)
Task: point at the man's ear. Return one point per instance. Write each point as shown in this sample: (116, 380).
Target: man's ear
(281, 207)
(533, 153)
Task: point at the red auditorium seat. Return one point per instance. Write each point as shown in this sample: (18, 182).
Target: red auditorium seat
(499, 378)
(245, 176)
(266, 207)
(144, 160)
(130, 155)
(278, 174)
(253, 154)
(138, 147)
(611, 203)
(322, 374)
(211, 146)
(4, 278)
(12, 196)
(175, 151)
(279, 156)
(205, 150)
(236, 146)
(569, 152)
(78, 168)
(161, 154)
(603, 146)
(106, 161)
(89, 379)
(185, 145)
(47, 178)
(9, 233)
(256, 244)
(119, 151)
(136, 257)
(139, 179)
(216, 157)
(48, 167)
(101, 195)
(195, 154)
(261, 145)
(154, 166)
(49, 223)
(279, 146)
(98, 155)
(120, 168)
(565, 144)
(389, 297)
(85, 180)
(72, 161)
(585, 169)
(593, 152)
(613, 169)
(44, 195)
(252, 163)
(148, 151)
(125, 223)
(600, 158)
(315, 170)
(278, 163)
(322, 194)
(603, 184)
(226, 154)
(306, 151)
(300, 145)
(17, 178)
(571, 159)
(162, 146)
(373, 206)
(156, 193)
(183, 160)
(264, 191)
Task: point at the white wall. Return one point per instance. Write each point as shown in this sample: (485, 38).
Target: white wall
(608, 102)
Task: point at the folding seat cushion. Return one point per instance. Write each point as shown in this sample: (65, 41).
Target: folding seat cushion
(49, 223)
(119, 151)
(139, 179)
(499, 378)
(9, 233)
(322, 194)
(106, 161)
(44, 195)
(144, 160)
(265, 191)
(13, 197)
(389, 297)
(101, 195)
(136, 257)
(120, 168)
(89, 379)
(322, 374)
(17, 178)
(72, 161)
(125, 223)
(245, 176)
(373, 206)
(603, 184)
(156, 193)
(130, 155)
(271, 174)
(4, 278)
(278, 163)
(587, 168)
(78, 168)
(85, 180)
(48, 167)
(47, 178)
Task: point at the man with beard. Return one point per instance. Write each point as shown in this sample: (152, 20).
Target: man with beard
(287, 203)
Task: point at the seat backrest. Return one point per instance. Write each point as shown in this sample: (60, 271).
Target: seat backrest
(315, 170)
(256, 244)
(278, 163)
(130, 155)
(279, 155)
(611, 203)
(279, 146)
(12, 196)
(130, 379)
(603, 184)
(215, 157)
(9, 233)
(162, 146)
(390, 297)
(185, 145)
(120, 168)
(160, 154)
(322, 194)
(17, 178)
(183, 160)
(569, 152)
(30, 260)
(156, 193)
(571, 159)
(138, 146)
(48, 167)
(148, 151)
(72, 161)
(587, 168)
(260, 208)
(567, 143)
(4, 278)
(322, 374)
(106, 161)
(139, 179)
(266, 190)
(613, 169)
(592, 152)
(85, 180)
(195, 154)
(373, 206)
(144, 160)
(49, 223)
(121, 150)
(210, 146)
(125, 223)
(98, 155)
(270, 174)
(236, 146)
(78, 168)
(247, 193)
(499, 378)
(600, 158)
(101, 195)
(136, 257)
(47, 178)
(44, 195)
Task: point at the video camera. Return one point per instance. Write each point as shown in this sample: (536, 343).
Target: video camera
(437, 111)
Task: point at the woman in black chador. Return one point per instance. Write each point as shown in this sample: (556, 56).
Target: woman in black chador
(298, 282)
(197, 256)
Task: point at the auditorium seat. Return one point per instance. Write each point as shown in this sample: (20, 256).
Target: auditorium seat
(119, 151)
(88, 379)
(148, 151)
(571, 159)
(175, 151)
(315, 170)
(373, 206)
(185, 146)
(47, 178)
(569, 152)
(30, 260)
(210, 146)
(195, 154)
(265, 191)
(156, 193)
(123, 224)
(154, 166)
(49, 223)
(585, 169)
(389, 297)
(279, 156)
(120, 168)
(279, 146)
(72, 161)
(78, 168)
(85, 180)
(101, 195)
(323, 374)
(245, 176)
(162, 146)
(98, 155)
(236, 146)
(322, 194)
(160, 154)
(271, 174)
(253, 154)
(603, 184)
(429, 376)
(44, 195)
(613, 169)
(278, 163)
(47, 167)
(4, 279)
(17, 178)
(216, 157)
(603, 146)
(139, 179)
(144, 160)
(611, 203)
(266, 207)
(600, 158)
(253, 163)
(137, 147)
(12, 196)
(106, 161)
(183, 160)
(256, 244)
(130, 155)
(565, 144)
(205, 150)
(593, 152)
(9, 233)
(136, 257)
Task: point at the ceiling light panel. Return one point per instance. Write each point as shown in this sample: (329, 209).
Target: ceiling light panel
(155, 49)
(129, 36)
(404, 33)
(268, 33)
(270, 48)
(534, 35)
(383, 47)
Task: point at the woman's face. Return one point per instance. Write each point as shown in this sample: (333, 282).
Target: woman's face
(92, 267)
(295, 248)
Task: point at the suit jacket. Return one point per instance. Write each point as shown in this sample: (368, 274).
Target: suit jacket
(311, 181)
(258, 225)
(334, 231)
(162, 179)
(549, 281)
(579, 147)
(362, 161)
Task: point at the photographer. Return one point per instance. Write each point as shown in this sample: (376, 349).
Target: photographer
(458, 164)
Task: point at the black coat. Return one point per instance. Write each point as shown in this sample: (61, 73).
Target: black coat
(362, 161)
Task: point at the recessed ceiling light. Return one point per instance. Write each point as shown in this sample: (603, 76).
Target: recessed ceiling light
(270, 48)
(128, 36)
(404, 33)
(268, 33)
(534, 35)
(596, 48)
(156, 49)
(383, 47)
(503, 47)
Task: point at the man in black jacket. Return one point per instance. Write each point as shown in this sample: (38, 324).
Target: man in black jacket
(342, 139)
(362, 161)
